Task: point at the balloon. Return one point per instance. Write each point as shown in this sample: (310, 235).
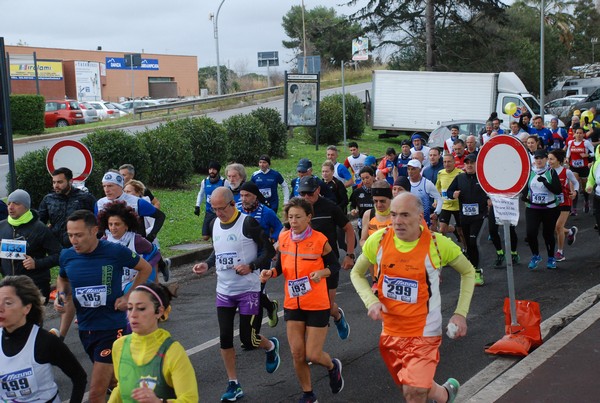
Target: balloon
(587, 114)
(577, 112)
(510, 108)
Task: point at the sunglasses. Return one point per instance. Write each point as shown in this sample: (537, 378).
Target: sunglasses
(307, 193)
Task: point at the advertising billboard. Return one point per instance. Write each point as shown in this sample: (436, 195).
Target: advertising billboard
(87, 81)
(47, 70)
(118, 63)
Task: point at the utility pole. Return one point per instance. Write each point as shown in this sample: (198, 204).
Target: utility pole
(542, 61)
(215, 20)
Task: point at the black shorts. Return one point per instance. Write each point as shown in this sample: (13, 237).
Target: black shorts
(583, 172)
(98, 343)
(445, 216)
(310, 318)
(208, 217)
(333, 281)
(564, 208)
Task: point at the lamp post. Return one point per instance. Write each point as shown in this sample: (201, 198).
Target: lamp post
(594, 42)
(304, 40)
(215, 20)
(542, 60)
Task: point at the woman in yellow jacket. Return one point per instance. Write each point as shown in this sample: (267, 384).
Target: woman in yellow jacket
(149, 365)
(305, 258)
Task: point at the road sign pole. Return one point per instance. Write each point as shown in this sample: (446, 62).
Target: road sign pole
(343, 105)
(509, 274)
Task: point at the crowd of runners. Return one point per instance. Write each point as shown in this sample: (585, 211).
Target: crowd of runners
(394, 221)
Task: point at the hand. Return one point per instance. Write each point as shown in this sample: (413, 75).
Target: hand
(542, 179)
(588, 190)
(265, 275)
(315, 276)
(573, 194)
(197, 210)
(354, 212)
(375, 311)
(200, 268)
(29, 263)
(456, 194)
(461, 322)
(242, 269)
(59, 302)
(145, 394)
(348, 263)
(121, 303)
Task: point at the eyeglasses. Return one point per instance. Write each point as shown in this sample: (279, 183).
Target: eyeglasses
(307, 193)
(221, 209)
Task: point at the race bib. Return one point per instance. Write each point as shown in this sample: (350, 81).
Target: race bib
(91, 297)
(560, 198)
(539, 198)
(577, 163)
(400, 289)
(445, 194)
(299, 287)
(18, 385)
(471, 209)
(13, 249)
(128, 276)
(266, 192)
(227, 260)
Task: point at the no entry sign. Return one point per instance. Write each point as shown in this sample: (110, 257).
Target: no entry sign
(73, 155)
(503, 166)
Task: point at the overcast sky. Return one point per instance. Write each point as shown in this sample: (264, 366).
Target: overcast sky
(179, 27)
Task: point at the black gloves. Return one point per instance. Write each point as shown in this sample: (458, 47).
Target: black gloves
(197, 210)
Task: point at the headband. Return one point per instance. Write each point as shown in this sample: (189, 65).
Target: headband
(385, 192)
(113, 177)
(151, 291)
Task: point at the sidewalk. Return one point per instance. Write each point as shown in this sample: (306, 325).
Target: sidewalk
(563, 369)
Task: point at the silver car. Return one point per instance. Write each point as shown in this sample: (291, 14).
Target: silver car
(89, 113)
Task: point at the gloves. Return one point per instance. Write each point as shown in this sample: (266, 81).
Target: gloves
(150, 237)
(542, 179)
(197, 210)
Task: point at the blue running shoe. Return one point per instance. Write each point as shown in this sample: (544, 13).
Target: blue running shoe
(551, 263)
(533, 263)
(233, 393)
(273, 359)
(336, 381)
(342, 325)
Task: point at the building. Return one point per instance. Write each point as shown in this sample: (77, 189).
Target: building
(88, 75)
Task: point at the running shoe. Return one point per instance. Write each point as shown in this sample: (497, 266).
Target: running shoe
(451, 386)
(572, 235)
(342, 325)
(233, 393)
(336, 381)
(499, 259)
(559, 256)
(551, 263)
(533, 263)
(586, 207)
(515, 257)
(273, 359)
(479, 278)
(308, 398)
(273, 318)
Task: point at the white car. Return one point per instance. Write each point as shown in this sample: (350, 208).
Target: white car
(130, 105)
(119, 110)
(104, 111)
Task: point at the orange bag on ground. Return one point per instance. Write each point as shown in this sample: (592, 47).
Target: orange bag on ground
(519, 339)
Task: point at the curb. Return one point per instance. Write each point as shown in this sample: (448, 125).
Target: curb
(190, 257)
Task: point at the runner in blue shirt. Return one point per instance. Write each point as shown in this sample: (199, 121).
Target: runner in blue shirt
(340, 171)
(207, 186)
(267, 180)
(542, 132)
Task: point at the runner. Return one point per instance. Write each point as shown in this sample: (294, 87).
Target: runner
(409, 299)
(340, 171)
(361, 198)
(305, 258)
(89, 283)
(450, 207)
(593, 187)
(426, 191)
(579, 154)
(207, 186)
(267, 180)
(240, 250)
(355, 161)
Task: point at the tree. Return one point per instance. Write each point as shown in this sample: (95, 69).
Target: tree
(210, 73)
(327, 34)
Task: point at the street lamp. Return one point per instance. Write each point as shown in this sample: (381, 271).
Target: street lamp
(215, 20)
(542, 90)
(594, 42)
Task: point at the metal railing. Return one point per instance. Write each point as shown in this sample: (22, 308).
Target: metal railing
(194, 102)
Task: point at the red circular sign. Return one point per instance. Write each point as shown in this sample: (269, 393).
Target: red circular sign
(503, 166)
(71, 154)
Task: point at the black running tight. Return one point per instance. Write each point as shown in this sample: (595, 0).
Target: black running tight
(471, 232)
(248, 328)
(547, 217)
(493, 228)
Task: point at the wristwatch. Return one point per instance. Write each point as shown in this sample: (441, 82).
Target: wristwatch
(350, 255)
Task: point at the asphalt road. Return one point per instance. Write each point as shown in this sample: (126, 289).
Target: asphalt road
(193, 323)
(219, 116)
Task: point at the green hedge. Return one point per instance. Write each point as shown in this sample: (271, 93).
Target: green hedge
(276, 130)
(32, 176)
(331, 119)
(207, 138)
(27, 114)
(248, 139)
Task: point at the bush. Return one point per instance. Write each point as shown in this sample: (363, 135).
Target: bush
(331, 119)
(27, 113)
(32, 176)
(248, 139)
(276, 129)
(110, 149)
(207, 138)
(170, 154)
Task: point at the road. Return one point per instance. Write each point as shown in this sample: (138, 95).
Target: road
(193, 323)
(219, 116)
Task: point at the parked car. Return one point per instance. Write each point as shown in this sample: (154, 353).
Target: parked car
(592, 99)
(138, 103)
(560, 105)
(117, 112)
(121, 108)
(89, 113)
(104, 112)
(61, 113)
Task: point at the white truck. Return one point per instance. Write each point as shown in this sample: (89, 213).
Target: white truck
(404, 102)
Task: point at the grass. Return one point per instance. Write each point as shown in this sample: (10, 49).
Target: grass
(182, 226)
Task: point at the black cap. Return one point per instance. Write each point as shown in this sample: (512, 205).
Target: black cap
(471, 157)
(541, 153)
(403, 182)
(265, 157)
(303, 165)
(214, 165)
(252, 188)
(308, 184)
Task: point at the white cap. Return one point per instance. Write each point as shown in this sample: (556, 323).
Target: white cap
(414, 163)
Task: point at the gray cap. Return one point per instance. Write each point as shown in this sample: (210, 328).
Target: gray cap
(308, 184)
(20, 196)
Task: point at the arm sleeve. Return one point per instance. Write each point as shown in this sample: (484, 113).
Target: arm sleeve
(200, 196)
(251, 228)
(179, 373)
(159, 220)
(89, 202)
(360, 283)
(568, 149)
(433, 192)
(572, 179)
(467, 283)
(554, 185)
(286, 192)
(344, 172)
(52, 247)
(452, 188)
(275, 224)
(331, 262)
(590, 149)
